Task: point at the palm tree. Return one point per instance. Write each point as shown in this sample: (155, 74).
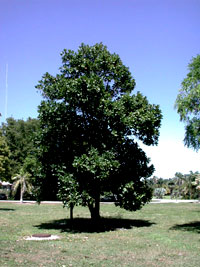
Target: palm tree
(188, 186)
(23, 180)
(179, 180)
(196, 183)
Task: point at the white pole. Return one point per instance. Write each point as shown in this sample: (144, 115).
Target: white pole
(6, 96)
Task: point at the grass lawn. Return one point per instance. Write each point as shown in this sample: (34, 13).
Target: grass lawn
(157, 235)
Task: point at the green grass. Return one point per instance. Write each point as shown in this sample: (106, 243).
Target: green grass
(157, 235)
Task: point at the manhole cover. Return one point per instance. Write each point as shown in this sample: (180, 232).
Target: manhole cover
(41, 235)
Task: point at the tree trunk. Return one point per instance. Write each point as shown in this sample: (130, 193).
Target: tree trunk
(71, 212)
(95, 209)
(71, 215)
(21, 196)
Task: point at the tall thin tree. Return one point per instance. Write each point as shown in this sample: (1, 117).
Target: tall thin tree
(22, 180)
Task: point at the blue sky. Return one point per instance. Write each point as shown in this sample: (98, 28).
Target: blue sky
(156, 39)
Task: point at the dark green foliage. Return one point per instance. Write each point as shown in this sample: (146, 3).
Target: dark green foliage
(4, 159)
(19, 135)
(133, 195)
(89, 119)
(188, 104)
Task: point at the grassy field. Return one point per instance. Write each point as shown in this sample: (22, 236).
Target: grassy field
(157, 235)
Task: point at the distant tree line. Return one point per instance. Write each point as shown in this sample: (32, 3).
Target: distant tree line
(182, 186)
(18, 149)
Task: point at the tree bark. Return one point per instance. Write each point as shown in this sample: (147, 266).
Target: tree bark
(71, 212)
(95, 209)
(71, 215)
(21, 196)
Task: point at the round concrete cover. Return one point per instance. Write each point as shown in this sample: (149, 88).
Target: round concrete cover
(42, 237)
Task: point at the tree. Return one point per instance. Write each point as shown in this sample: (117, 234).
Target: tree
(19, 135)
(4, 159)
(196, 183)
(189, 190)
(179, 180)
(22, 180)
(159, 192)
(90, 122)
(188, 104)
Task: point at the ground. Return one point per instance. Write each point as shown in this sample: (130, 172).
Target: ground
(158, 235)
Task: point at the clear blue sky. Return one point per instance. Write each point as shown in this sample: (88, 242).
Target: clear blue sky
(156, 39)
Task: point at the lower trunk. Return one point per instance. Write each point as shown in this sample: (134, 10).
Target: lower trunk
(71, 215)
(95, 209)
(21, 196)
(71, 212)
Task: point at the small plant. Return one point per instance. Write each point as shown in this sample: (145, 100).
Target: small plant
(159, 192)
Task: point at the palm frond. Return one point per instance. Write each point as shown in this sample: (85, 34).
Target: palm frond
(15, 186)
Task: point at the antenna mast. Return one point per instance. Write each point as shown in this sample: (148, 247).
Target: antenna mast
(6, 96)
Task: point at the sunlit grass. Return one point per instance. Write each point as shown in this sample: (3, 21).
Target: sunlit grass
(157, 235)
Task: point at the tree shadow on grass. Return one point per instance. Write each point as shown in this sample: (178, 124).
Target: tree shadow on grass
(192, 227)
(88, 226)
(4, 209)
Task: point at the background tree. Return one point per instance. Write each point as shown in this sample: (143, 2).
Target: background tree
(159, 192)
(196, 183)
(159, 186)
(89, 124)
(22, 181)
(179, 180)
(181, 185)
(188, 104)
(4, 159)
(19, 135)
(189, 190)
